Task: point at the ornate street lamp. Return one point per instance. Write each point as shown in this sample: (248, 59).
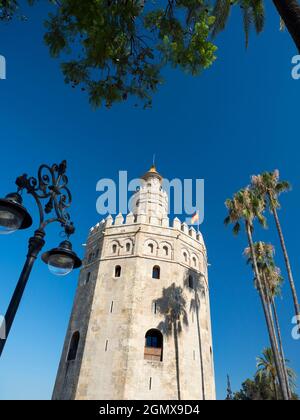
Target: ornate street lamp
(50, 185)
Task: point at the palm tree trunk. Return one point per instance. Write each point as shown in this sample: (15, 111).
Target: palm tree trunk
(281, 348)
(177, 360)
(275, 389)
(287, 263)
(267, 315)
(269, 305)
(200, 344)
(289, 10)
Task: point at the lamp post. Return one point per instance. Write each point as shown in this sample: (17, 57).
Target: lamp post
(51, 188)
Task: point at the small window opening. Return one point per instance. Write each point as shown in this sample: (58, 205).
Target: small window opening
(88, 277)
(73, 346)
(153, 345)
(156, 272)
(118, 271)
(191, 282)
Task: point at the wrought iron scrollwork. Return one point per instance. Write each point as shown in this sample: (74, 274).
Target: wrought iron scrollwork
(51, 193)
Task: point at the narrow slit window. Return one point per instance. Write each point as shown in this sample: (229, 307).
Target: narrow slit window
(88, 277)
(112, 307)
(106, 345)
(118, 271)
(154, 308)
(73, 346)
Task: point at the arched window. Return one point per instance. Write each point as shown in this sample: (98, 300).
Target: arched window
(128, 247)
(153, 345)
(151, 248)
(166, 251)
(194, 262)
(191, 282)
(114, 248)
(118, 270)
(156, 272)
(73, 346)
(185, 256)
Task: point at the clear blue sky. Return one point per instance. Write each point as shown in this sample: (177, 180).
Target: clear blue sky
(239, 118)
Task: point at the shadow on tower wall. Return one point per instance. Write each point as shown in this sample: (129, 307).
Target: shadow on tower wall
(172, 306)
(195, 306)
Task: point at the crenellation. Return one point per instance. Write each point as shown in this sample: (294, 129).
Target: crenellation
(185, 228)
(109, 221)
(129, 218)
(177, 224)
(119, 220)
(192, 233)
(165, 222)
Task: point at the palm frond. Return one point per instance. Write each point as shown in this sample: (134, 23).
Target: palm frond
(258, 13)
(247, 20)
(221, 12)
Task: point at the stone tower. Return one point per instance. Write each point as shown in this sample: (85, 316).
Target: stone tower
(140, 326)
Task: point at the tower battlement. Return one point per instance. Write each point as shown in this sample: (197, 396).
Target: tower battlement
(132, 220)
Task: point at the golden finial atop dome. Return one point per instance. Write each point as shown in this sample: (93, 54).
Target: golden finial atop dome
(153, 168)
(152, 173)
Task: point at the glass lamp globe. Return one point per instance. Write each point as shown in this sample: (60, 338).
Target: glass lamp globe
(13, 216)
(10, 220)
(60, 265)
(62, 260)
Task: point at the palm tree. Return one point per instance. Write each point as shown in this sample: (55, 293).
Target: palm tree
(272, 282)
(266, 368)
(195, 305)
(172, 306)
(246, 207)
(254, 14)
(268, 187)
